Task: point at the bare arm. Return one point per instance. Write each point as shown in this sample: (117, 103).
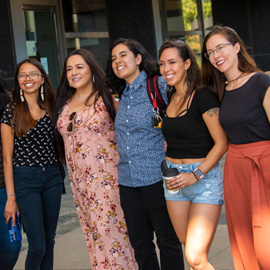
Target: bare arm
(211, 119)
(266, 103)
(8, 146)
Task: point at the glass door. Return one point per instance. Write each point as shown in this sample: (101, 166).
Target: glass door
(38, 29)
(41, 38)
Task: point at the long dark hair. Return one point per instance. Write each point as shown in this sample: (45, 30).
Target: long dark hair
(22, 116)
(4, 97)
(193, 77)
(65, 91)
(148, 64)
(212, 76)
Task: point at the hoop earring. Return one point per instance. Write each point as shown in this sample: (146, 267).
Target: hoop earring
(21, 95)
(169, 88)
(93, 78)
(42, 93)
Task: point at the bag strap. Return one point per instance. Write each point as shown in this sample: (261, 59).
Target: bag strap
(155, 95)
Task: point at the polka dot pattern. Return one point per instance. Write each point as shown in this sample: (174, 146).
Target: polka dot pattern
(36, 148)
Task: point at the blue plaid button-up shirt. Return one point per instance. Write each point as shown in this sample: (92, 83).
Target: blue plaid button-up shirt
(140, 145)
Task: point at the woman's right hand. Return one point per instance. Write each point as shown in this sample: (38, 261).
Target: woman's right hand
(11, 209)
(181, 180)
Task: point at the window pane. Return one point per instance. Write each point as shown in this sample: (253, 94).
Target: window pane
(86, 27)
(207, 12)
(42, 40)
(190, 15)
(97, 46)
(182, 15)
(194, 41)
(174, 16)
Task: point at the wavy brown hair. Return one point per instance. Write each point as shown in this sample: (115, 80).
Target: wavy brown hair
(22, 117)
(193, 77)
(212, 76)
(65, 92)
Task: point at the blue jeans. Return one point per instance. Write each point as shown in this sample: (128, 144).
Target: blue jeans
(9, 252)
(145, 213)
(38, 194)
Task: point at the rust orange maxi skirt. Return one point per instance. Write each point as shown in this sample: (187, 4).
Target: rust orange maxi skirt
(247, 204)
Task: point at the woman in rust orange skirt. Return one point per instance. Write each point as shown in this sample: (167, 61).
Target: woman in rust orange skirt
(244, 114)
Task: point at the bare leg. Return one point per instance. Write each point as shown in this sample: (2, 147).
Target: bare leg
(203, 220)
(179, 214)
(195, 225)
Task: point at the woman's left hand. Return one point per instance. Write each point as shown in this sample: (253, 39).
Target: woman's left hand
(182, 180)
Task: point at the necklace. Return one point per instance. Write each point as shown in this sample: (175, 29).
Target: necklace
(239, 77)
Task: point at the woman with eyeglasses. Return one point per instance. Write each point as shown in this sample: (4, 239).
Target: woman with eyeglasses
(195, 144)
(244, 92)
(32, 175)
(86, 113)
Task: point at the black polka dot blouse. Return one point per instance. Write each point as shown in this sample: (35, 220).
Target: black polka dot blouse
(36, 148)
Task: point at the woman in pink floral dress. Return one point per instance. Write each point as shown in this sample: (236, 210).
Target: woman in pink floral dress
(85, 109)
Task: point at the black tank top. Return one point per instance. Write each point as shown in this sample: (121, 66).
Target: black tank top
(187, 135)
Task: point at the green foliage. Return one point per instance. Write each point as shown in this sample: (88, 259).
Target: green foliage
(207, 9)
(190, 13)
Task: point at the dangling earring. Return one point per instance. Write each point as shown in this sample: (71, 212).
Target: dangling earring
(42, 92)
(21, 95)
(116, 97)
(187, 83)
(169, 88)
(93, 79)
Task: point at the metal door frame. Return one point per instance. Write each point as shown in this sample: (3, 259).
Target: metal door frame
(16, 7)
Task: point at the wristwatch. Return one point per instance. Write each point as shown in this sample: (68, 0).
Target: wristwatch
(199, 174)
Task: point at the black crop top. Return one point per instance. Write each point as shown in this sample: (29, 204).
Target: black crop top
(242, 114)
(187, 136)
(36, 148)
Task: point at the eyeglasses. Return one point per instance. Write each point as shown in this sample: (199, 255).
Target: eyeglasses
(32, 76)
(71, 124)
(219, 49)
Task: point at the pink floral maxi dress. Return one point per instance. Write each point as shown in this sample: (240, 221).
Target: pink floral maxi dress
(92, 157)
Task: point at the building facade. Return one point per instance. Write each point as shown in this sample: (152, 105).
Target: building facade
(49, 29)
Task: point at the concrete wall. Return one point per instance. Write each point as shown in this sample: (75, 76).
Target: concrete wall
(132, 19)
(7, 53)
(251, 20)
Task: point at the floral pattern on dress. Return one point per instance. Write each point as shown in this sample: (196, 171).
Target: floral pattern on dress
(92, 158)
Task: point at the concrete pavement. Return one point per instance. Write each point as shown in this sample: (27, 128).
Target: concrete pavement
(71, 252)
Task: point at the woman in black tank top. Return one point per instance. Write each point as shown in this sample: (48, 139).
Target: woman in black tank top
(195, 144)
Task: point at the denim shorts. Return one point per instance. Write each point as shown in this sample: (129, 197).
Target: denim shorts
(208, 190)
